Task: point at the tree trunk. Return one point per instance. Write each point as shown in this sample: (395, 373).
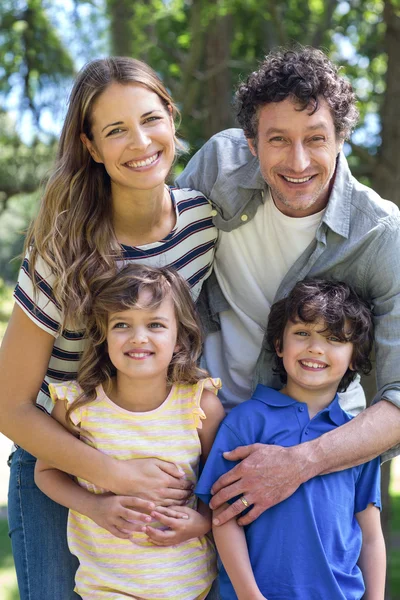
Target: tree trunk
(386, 179)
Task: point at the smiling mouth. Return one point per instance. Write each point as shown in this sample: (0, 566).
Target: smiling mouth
(310, 364)
(143, 163)
(297, 179)
(139, 355)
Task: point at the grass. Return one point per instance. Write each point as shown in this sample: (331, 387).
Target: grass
(8, 583)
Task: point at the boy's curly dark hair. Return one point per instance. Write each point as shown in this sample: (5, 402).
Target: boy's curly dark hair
(303, 74)
(344, 313)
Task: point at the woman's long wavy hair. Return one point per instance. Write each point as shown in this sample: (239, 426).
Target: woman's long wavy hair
(122, 292)
(73, 230)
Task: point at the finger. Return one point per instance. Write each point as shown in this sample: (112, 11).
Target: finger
(171, 512)
(137, 503)
(160, 535)
(171, 469)
(227, 493)
(132, 516)
(179, 494)
(119, 533)
(229, 513)
(226, 479)
(130, 526)
(249, 517)
(240, 452)
(168, 521)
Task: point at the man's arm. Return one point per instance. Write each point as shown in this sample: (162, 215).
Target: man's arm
(269, 474)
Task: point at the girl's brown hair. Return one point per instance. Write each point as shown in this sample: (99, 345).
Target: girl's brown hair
(73, 231)
(122, 292)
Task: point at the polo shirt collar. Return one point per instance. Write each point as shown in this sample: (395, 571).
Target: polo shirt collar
(272, 397)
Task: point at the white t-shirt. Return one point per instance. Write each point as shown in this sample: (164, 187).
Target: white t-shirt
(250, 263)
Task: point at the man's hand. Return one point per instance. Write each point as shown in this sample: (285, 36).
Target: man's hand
(183, 524)
(119, 514)
(267, 475)
(152, 479)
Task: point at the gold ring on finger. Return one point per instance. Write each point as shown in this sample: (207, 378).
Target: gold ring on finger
(244, 501)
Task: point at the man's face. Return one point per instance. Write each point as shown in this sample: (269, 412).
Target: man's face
(297, 153)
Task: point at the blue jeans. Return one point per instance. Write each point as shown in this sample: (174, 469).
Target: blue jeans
(38, 531)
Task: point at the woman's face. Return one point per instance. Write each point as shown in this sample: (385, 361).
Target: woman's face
(133, 136)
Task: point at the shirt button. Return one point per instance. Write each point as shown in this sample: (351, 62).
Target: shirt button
(301, 408)
(244, 218)
(306, 432)
(214, 213)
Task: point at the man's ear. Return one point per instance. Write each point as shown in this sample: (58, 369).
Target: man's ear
(252, 146)
(90, 147)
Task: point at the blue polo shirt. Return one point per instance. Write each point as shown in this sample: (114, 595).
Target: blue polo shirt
(306, 547)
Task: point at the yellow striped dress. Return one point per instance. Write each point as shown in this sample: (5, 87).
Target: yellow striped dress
(112, 568)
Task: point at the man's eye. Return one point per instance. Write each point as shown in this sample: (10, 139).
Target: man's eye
(318, 138)
(277, 138)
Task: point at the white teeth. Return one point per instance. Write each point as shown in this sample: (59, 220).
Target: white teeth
(143, 163)
(302, 180)
(139, 354)
(313, 365)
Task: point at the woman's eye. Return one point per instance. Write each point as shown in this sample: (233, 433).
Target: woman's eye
(153, 118)
(114, 131)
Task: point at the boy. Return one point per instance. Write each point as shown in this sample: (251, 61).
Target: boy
(310, 546)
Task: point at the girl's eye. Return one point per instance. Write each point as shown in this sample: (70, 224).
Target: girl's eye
(120, 325)
(156, 325)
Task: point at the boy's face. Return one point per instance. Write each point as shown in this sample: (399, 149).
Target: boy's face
(314, 359)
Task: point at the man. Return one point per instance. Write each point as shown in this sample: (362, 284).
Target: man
(288, 207)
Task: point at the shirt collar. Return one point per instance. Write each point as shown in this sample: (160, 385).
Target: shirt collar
(337, 213)
(272, 397)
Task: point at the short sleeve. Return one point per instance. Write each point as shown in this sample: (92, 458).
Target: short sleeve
(368, 486)
(210, 384)
(67, 391)
(216, 465)
(38, 304)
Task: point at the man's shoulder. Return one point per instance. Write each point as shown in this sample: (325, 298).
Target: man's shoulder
(368, 202)
(226, 144)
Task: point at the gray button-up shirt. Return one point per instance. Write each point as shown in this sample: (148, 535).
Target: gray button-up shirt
(357, 241)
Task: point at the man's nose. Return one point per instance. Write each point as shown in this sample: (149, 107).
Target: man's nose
(299, 159)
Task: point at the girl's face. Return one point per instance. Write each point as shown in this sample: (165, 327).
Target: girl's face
(142, 341)
(313, 358)
(133, 136)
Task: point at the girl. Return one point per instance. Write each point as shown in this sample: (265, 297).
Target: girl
(105, 204)
(139, 393)
(325, 541)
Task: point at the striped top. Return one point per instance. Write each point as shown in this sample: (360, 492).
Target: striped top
(189, 248)
(110, 567)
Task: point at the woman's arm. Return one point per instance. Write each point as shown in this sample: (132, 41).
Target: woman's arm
(113, 513)
(232, 548)
(24, 358)
(372, 561)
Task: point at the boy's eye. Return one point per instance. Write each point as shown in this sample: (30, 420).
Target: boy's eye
(334, 338)
(302, 333)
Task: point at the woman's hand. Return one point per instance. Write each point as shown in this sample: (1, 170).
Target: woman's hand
(183, 524)
(119, 514)
(152, 479)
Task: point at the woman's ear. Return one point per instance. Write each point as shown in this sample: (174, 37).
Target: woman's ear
(90, 148)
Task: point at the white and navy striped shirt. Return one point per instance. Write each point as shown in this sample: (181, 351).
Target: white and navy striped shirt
(189, 248)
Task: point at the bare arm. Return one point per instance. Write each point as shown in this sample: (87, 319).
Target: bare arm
(269, 474)
(372, 561)
(232, 548)
(116, 514)
(27, 349)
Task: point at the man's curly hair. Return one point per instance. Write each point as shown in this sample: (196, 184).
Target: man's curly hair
(303, 74)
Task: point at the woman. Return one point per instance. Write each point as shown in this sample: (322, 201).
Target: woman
(106, 203)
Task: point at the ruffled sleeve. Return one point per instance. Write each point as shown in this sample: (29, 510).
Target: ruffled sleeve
(68, 391)
(213, 385)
